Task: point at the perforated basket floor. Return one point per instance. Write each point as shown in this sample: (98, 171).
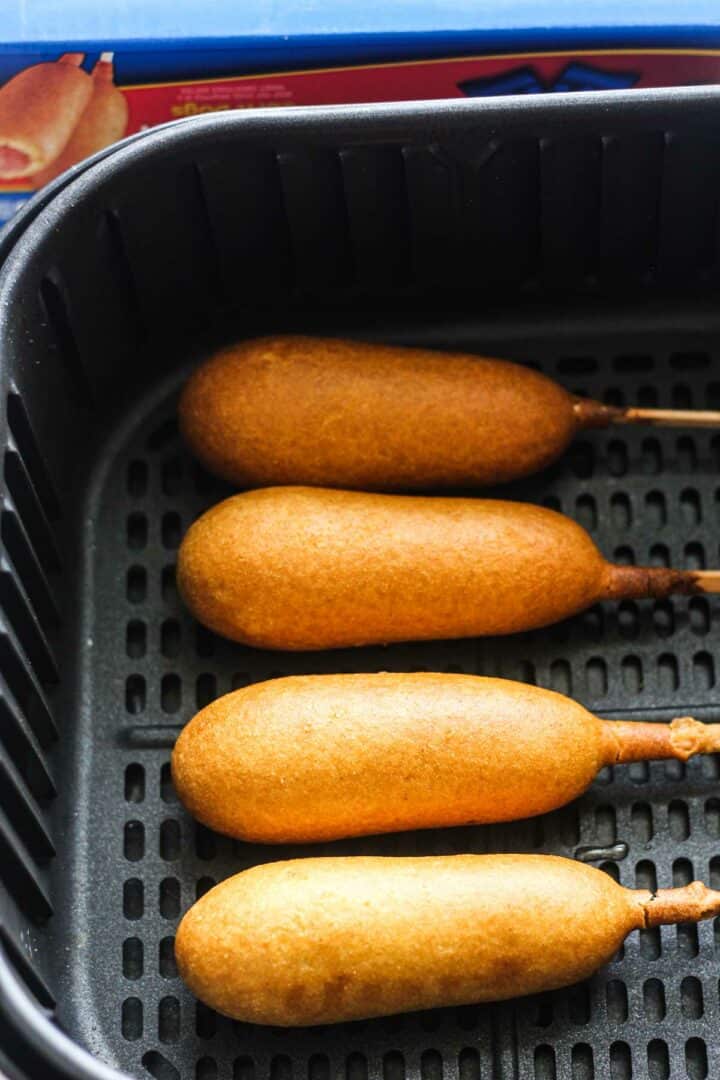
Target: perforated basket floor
(135, 861)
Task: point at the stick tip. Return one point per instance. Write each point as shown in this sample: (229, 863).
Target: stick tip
(691, 903)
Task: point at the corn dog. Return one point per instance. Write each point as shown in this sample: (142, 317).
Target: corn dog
(318, 757)
(316, 941)
(313, 568)
(299, 410)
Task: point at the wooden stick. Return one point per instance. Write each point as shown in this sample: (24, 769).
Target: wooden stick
(669, 417)
(708, 581)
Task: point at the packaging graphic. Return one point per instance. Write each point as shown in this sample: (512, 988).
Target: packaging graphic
(63, 98)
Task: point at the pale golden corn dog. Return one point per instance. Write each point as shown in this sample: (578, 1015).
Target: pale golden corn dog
(314, 568)
(318, 757)
(316, 941)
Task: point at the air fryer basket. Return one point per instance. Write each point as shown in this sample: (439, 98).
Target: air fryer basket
(579, 234)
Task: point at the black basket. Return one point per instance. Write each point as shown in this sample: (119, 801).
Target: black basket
(579, 234)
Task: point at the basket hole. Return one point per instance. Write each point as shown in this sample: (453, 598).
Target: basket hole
(658, 1060)
(131, 1019)
(135, 639)
(689, 361)
(319, 1067)
(646, 876)
(712, 818)
(244, 1069)
(605, 825)
(581, 459)
(691, 998)
(715, 872)
(674, 770)
(617, 1001)
(641, 818)
(620, 1061)
(204, 884)
(170, 898)
(137, 531)
(133, 899)
(696, 1059)
(710, 766)
(281, 1068)
(593, 624)
(134, 783)
(171, 530)
(170, 839)
(655, 509)
(632, 674)
(205, 1021)
(205, 842)
(240, 679)
(134, 841)
(136, 584)
(659, 555)
(668, 674)
(168, 584)
(582, 1062)
(468, 1065)
(703, 671)
(586, 512)
(167, 791)
(624, 555)
(679, 821)
(561, 677)
(577, 365)
(170, 693)
(681, 396)
(159, 1066)
(651, 457)
(694, 556)
(542, 1013)
(393, 1066)
(172, 476)
(552, 502)
(545, 1063)
(617, 458)
(690, 507)
(170, 638)
(135, 694)
(621, 511)
(166, 958)
(137, 478)
(578, 999)
(597, 677)
(688, 945)
(628, 618)
(699, 612)
(663, 618)
(647, 397)
(654, 1000)
(132, 958)
(613, 395)
(634, 364)
(169, 1019)
(687, 456)
(205, 689)
(206, 1069)
(639, 772)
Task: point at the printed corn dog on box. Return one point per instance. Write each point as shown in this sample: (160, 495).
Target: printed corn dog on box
(77, 76)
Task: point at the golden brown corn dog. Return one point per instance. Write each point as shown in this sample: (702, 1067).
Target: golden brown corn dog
(316, 941)
(315, 568)
(39, 109)
(300, 410)
(103, 122)
(319, 757)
